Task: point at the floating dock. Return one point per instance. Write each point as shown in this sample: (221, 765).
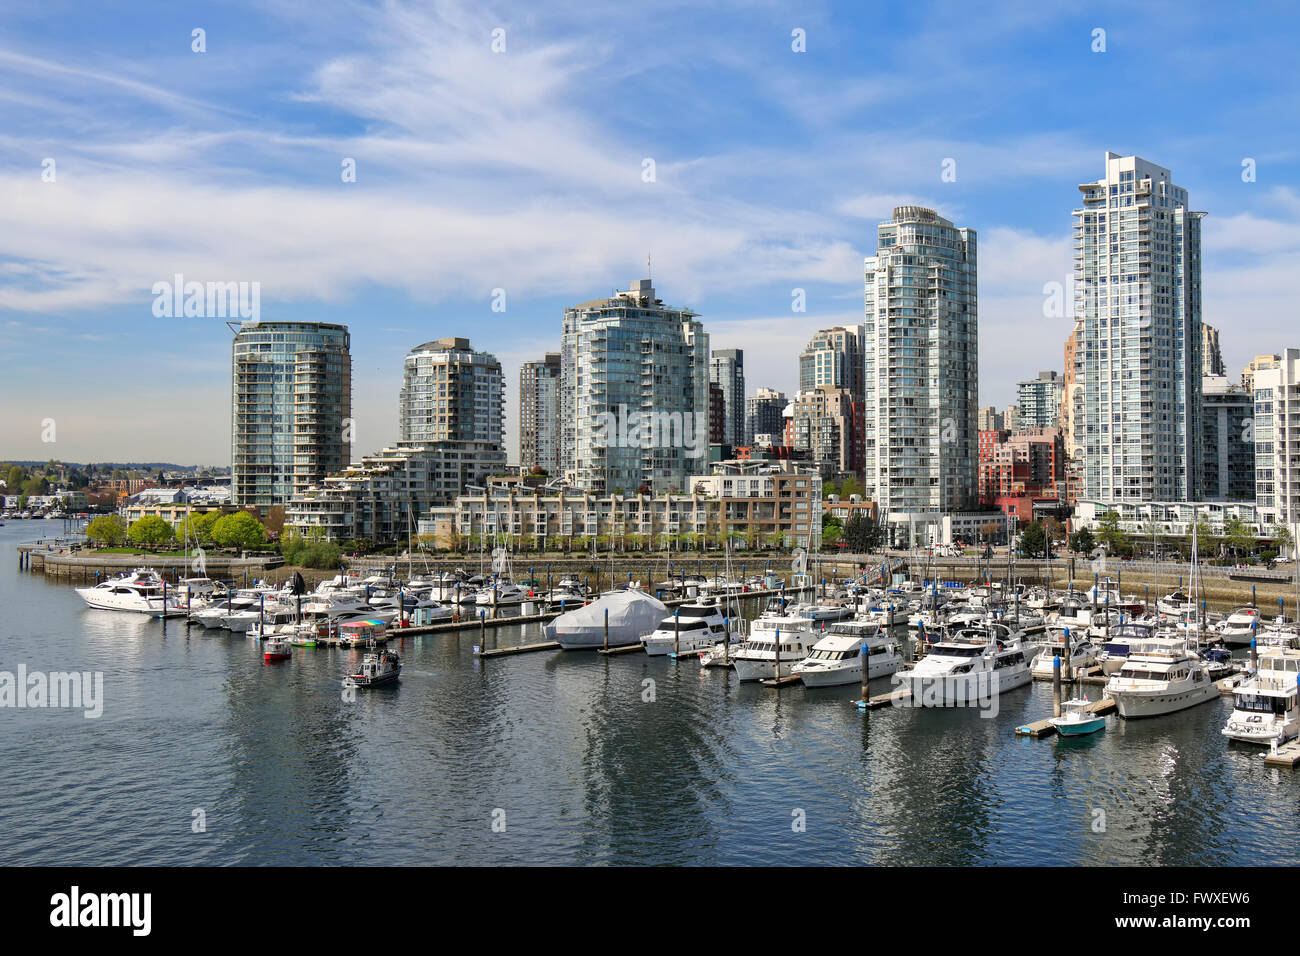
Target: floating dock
(520, 649)
(621, 649)
(1044, 728)
(785, 681)
(1288, 755)
(884, 700)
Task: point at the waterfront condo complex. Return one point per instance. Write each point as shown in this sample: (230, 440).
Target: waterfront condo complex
(291, 400)
(1137, 274)
(920, 348)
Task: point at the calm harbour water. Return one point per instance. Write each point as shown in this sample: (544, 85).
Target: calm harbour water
(711, 772)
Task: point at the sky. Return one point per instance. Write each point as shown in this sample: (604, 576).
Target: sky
(128, 157)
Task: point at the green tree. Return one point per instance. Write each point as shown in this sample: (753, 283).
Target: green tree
(1082, 541)
(1239, 537)
(1033, 540)
(238, 530)
(1109, 534)
(1282, 539)
(149, 531)
(106, 531)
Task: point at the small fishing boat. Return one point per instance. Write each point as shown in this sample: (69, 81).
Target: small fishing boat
(276, 649)
(1076, 720)
(375, 669)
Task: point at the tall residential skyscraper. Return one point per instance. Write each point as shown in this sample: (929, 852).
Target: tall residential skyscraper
(1040, 401)
(539, 414)
(1228, 456)
(833, 357)
(727, 369)
(1072, 397)
(1211, 351)
(1137, 271)
(920, 349)
(764, 414)
(291, 399)
(451, 393)
(634, 393)
(1277, 437)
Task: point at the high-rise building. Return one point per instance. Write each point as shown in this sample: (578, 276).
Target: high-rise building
(764, 413)
(634, 393)
(451, 422)
(451, 392)
(539, 414)
(1072, 396)
(990, 419)
(717, 414)
(1228, 448)
(920, 348)
(1254, 365)
(1277, 443)
(1137, 270)
(1040, 401)
(833, 357)
(727, 370)
(1211, 353)
(822, 424)
(291, 404)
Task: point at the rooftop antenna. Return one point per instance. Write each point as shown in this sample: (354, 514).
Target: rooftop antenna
(648, 274)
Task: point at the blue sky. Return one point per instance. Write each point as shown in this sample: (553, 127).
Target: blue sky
(522, 170)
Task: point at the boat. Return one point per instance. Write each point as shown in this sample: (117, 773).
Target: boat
(1218, 662)
(692, 627)
(837, 658)
(1160, 676)
(276, 649)
(500, 594)
(775, 646)
(968, 666)
(1239, 627)
(140, 591)
(1115, 651)
(1264, 705)
(1076, 719)
(1079, 652)
(356, 633)
(631, 614)
(1175, 603)
(380, 667)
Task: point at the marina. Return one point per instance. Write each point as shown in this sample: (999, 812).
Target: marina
(485, 712)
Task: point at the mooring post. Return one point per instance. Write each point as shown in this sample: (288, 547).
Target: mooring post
(1056, 685)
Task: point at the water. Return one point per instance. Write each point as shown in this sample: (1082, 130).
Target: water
(583, 770)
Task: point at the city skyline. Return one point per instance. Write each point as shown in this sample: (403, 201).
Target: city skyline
(241, 154)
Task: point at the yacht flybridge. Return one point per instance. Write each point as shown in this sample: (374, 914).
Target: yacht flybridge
(969, 666)
(838, 657)
(1265, 705)
(1160, 676)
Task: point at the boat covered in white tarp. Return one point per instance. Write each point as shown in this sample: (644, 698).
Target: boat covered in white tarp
(632, 614)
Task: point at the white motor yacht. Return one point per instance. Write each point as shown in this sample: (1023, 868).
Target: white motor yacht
(693, 627)
(837, 658)
(1240, 626)
(1068, 645)
(968, 666)
(1161, 675)
(500, 594)
(774, 647)
(140, 591)
(1265, 704)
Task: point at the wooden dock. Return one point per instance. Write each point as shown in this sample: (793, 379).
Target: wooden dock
(520, 649)
(1044, 728)
(622, 649)
(1288, 755)
(785, 681)
(884, 700)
